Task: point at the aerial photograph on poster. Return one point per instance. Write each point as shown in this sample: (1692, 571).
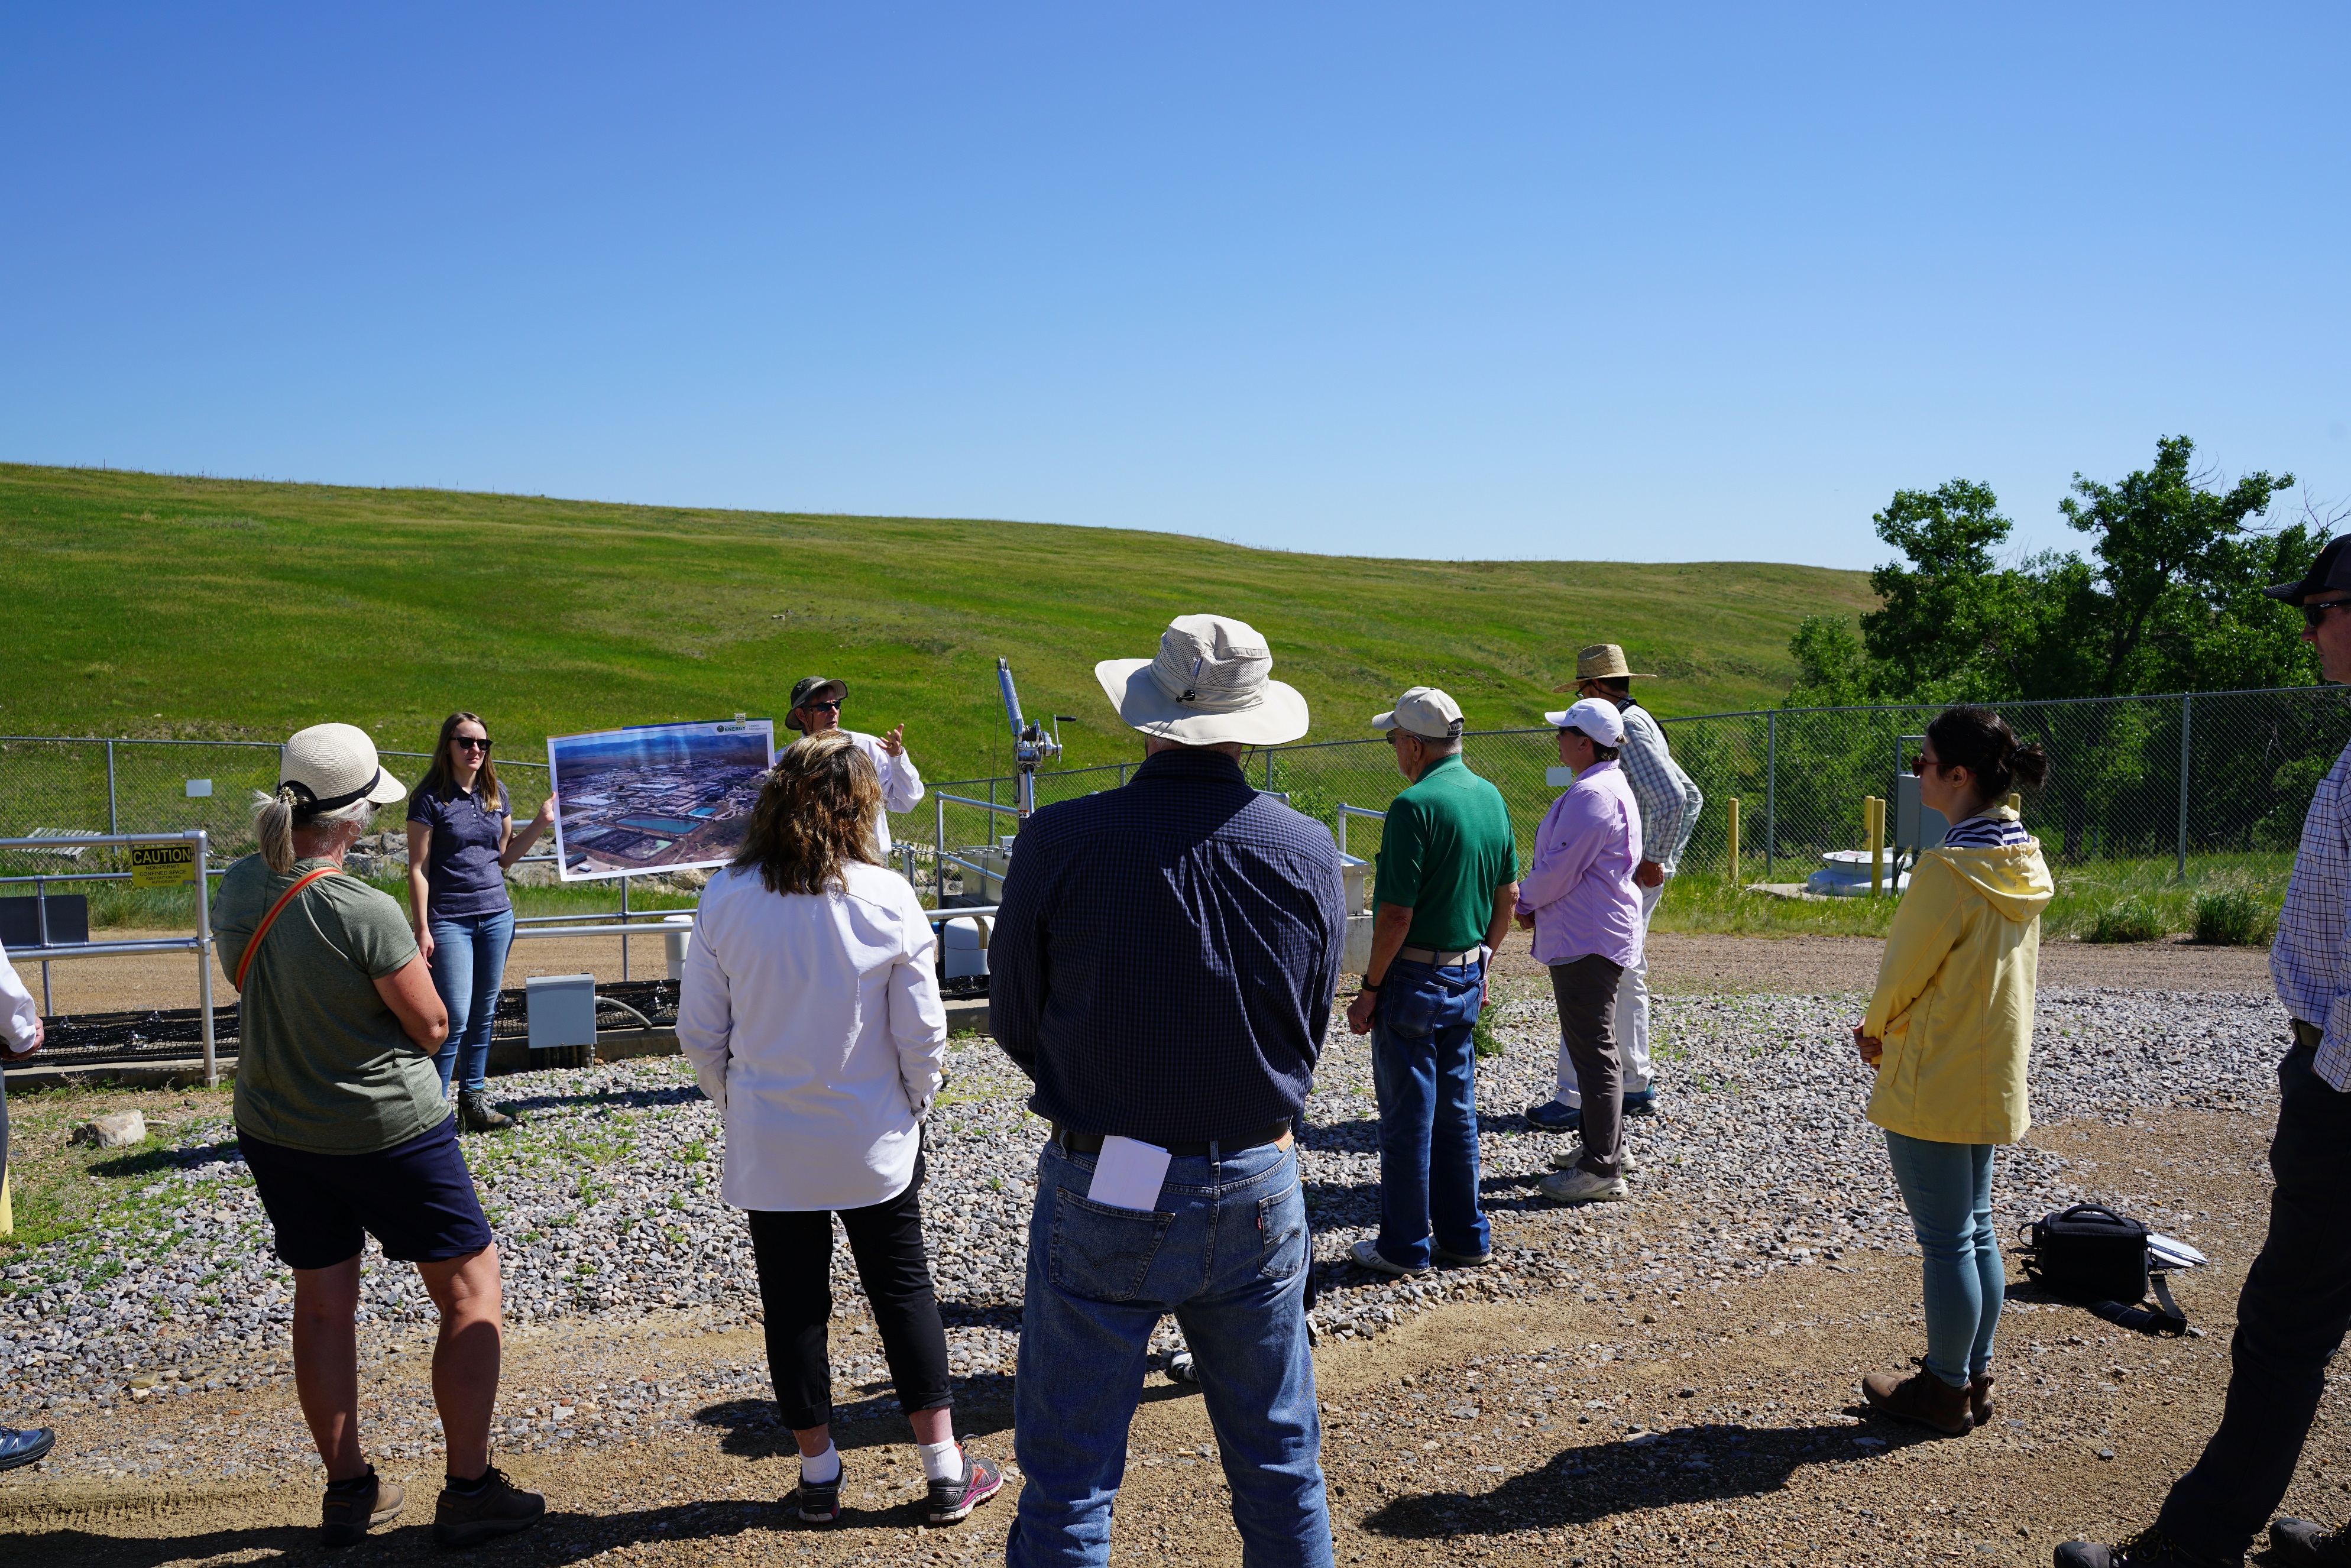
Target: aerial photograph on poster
(656, 797)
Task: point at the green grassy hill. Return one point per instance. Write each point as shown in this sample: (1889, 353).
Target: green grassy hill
(153, 605)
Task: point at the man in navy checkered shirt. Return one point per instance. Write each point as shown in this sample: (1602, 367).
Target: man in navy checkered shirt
(1162, 967)
(2296, 1303)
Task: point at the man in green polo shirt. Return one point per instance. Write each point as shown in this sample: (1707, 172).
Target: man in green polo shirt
(1447, 882)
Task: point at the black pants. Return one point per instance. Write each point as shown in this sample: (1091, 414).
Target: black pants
(794, 1249)
(1587, 993)
(2290, 1318)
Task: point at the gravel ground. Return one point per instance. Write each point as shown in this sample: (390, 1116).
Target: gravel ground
(607, 1208)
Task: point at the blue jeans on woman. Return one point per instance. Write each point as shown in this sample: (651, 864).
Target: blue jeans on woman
(1225, 1249)
(1425, 1071)
(1948, 1189)
(469, 961)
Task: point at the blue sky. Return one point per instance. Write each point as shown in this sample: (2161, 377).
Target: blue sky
(1493, 281)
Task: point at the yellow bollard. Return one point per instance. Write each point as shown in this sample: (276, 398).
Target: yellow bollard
(7, 1218)
(1734, 843)
(1873, 814)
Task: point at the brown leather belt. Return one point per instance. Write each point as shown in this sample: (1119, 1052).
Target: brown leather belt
(2308, 1034)
(1077, 1143)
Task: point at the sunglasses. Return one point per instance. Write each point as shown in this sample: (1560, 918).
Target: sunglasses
(2312, 614)
(469, 743)
(821, 708)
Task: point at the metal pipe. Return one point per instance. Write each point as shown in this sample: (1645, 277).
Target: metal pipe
(204, 960)
(112, 826)
(2187, 714)
(624, 920)
(41, 923)
(1770, 789)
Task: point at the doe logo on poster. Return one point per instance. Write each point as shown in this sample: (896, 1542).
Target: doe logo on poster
(162, 865)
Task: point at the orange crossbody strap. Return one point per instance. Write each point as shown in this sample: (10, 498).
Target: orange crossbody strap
(253, 943)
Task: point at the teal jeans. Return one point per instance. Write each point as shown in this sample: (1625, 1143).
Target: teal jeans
(1948, 1189)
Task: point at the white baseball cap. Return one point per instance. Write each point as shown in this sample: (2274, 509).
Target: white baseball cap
(1425, 711)
(333, 766)
(1598, 719)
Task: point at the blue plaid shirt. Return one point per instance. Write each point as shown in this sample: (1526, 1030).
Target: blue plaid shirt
(1163, 963)
(2311, 960)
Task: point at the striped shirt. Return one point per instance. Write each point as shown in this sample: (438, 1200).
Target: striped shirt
(1668, 797)
(1986, 833)
(2309, 961)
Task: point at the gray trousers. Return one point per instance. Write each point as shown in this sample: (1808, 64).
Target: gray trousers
(1587, 993)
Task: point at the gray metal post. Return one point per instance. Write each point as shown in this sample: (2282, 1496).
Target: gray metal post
(624, 927)
(205, 955)
(939, 850)
(1771, 786)
(2187, 712)
(110, 826)
(1341, 817)
(1122, 774)
(41, 920)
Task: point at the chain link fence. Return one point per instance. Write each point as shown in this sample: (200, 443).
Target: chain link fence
(2179, 779)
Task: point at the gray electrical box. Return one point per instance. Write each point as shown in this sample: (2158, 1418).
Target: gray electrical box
(561, 1009)
(1915, 827)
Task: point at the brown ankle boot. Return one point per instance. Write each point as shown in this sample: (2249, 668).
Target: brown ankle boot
(1922, 1397)
(1979, 1397)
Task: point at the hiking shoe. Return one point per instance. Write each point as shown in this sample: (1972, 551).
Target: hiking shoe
(349, 1513)
(1582, 1187)
(1367, 1252)
(1461, 1259)
(952, 1500)
(476, 1114)
(1625, 1165)
(1922, 1397)
(499, 1508)
(1641, 1101)
(816, 1503)
(1979, 1397)
(2308, 1545)
(1181, 1368)
(1551, 1116)
(24, 1445)
(2148, 1549)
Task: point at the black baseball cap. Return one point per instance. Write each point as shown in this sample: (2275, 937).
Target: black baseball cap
(816, 689)
(2331, 570)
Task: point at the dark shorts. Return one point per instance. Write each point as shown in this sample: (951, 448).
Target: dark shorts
(416, 1197)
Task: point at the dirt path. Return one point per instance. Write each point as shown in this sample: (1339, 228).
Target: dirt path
(1497, 1429)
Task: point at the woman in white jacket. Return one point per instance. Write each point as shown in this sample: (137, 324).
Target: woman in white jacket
(809, 1009)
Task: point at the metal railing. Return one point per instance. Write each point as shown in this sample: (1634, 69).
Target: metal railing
(200, 944)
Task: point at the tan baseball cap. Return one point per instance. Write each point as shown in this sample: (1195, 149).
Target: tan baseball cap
(333, 766)
(1425, 711)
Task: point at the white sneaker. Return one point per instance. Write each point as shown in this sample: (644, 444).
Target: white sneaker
(1575, 1157)
(1582, 1187)
(1367, 1253)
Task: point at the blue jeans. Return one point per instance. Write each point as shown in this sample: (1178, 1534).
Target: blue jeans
(1225, 1251)
(469, 961)
(1425, 1071)
(1948, 1189)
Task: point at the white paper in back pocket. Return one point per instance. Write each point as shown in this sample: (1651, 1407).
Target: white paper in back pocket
(1128, 1175)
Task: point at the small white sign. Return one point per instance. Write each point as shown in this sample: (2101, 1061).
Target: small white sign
(200, 789)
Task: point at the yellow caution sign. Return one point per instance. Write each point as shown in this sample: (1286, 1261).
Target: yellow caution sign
(162, 865)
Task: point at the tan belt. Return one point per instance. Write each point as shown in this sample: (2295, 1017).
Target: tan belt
(1442, 961)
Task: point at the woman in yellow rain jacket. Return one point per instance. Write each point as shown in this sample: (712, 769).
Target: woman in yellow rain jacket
(1950, 1034)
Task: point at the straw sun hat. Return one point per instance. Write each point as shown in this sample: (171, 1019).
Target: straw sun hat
(1603, 661)
(1210, 684)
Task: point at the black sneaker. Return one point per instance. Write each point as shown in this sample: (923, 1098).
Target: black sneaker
(2308, 1545)
(952, 1500)
(2148, 1549)
(499, 1508)
(350, 1512)
(476, 1114)
(818, 1502)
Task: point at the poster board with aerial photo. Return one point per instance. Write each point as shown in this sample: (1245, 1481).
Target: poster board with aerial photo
(656, 797)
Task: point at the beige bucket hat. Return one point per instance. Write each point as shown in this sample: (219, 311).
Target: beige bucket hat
(334, 766)
(1211, 684)
(1602, 662)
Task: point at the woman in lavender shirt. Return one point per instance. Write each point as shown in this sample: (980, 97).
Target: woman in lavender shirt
(1579, 899)
(460, 839)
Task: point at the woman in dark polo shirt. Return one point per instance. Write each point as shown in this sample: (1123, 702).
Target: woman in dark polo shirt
(460, 839)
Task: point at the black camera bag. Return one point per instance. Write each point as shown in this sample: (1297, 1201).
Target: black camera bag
(2096, 1259)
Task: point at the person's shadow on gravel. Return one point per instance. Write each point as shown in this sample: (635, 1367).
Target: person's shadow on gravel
(1582, 1485)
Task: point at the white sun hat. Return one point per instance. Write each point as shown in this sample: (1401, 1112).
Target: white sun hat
(1598, 719)
(1423, 711)
(334, 766)
(1211, 684)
